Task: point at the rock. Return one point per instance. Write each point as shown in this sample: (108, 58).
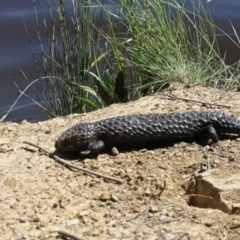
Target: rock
(35, 219)
(22, 220)
(22, 234)
(214, 189)
(153, 209)
(114, 233)
(83, 213)
(114, 198)
(105, 197)
(111, 223)
(72, 222)
(114, 151)
(180, 145)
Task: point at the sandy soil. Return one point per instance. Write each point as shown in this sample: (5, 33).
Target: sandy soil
(39, 196)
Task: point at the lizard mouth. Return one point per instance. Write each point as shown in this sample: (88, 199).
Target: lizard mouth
(62, 146)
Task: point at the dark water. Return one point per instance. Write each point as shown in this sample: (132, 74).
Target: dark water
(16, 54)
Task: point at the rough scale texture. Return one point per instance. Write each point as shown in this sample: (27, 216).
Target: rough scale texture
(91, 138)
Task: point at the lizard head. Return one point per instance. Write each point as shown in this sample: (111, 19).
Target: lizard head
(75, 139)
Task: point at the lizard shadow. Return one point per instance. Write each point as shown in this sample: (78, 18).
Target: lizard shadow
(124, 148)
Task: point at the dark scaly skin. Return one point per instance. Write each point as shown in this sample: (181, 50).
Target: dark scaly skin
(91, 138)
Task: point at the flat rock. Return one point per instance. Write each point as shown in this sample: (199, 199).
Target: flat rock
(216, 189)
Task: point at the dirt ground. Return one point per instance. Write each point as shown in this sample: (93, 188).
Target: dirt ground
(39, 196)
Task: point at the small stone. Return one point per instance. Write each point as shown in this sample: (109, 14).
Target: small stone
(148, 192)
(111, 223)
(114, 151)
(136, 209)
(180, 145)
(35, 219)
(235, 224)
(236, 208)
(236, 205)
(114, 198)
(119, 162)
(22, 234)
(39, 226)
(231, 158)
(165, 219)
(105, 197)
(62, 204)
(209, 224)
(59, 179)
(55, 205)
(95, 217)
(114, 205)
(140, 162)
(128, 171)
(22, 220)
(153, 209)
(205, 155)
(10, 221)
(211, 149)
(95, 233)
(114, 233)
(84, 220)
(83, 213)
(72, 222)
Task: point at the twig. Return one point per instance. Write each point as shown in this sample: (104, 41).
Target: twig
(148, 206)
(67, 234)
(69, 165)
(195, 101)
(145, 210)
(220, 155)
(183, 235)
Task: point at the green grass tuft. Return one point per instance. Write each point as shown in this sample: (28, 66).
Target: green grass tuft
(140, 50)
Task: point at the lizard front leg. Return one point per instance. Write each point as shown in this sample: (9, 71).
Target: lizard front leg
(93, 148)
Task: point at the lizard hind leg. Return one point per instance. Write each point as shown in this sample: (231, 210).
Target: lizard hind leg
(212, 134)
(93, 148)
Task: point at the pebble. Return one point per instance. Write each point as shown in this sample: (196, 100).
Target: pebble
(114, 151)
(83, 213)
(128, 171)
(140, 162)
(114, 233)
(148, 192)
(35, 218)
(153, 209)
(114, 198)
(165, 219)
(136, 209)
(111, 223)
(72, 222)
(22, 220)
(235, 224)
(105, 197)
(114, 205)
(95, 216)
(10, 221)
(180, 145)
(95, 233)
(22, 234)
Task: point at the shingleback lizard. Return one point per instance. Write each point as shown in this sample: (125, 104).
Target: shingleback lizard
(92, 137)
